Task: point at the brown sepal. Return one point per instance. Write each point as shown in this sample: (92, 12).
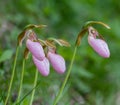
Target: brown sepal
(26, 53)
(31, 26)
(50, 44)
(64, 43)
(80, 35)
(21, 37)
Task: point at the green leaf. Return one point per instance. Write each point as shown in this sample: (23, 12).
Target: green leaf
(6, 55)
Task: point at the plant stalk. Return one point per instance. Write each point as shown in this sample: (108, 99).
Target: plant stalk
(66, 78)
(21, 80)
(35, 83)
(12, 76)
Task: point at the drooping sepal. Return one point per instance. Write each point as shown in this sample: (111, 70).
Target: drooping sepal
(31, 26)
(80, 36)
(21, 37)
(60, 42)
(90, 23)
(26, 53)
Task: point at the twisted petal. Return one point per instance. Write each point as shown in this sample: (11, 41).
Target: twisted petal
(100, 46)
(57, 62)
(36, 49)
(42, 66)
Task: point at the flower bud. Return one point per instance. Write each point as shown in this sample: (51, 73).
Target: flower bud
(42, 66)
(36, 49)
(57, 62)
(99, 45)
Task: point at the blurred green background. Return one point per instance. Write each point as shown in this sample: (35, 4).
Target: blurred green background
(93, 81)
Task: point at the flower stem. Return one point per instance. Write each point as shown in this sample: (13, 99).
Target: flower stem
(66, 78)
(21, 80)
(12, 76)
(35, 83)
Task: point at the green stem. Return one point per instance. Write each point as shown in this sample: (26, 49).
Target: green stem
(21, 80)
(12, 77)
(66, 78)
(35, 83)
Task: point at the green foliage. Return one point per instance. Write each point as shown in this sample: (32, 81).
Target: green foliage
(6, 55)
(93, 81)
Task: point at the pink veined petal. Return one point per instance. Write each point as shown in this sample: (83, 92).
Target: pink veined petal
(36, 49)
(100, 46)
(42, 66)
(57, 62)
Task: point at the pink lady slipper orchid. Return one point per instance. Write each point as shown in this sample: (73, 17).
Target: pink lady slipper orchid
(36, 49)
(42, 66)
(57, 62)
(99, 45)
